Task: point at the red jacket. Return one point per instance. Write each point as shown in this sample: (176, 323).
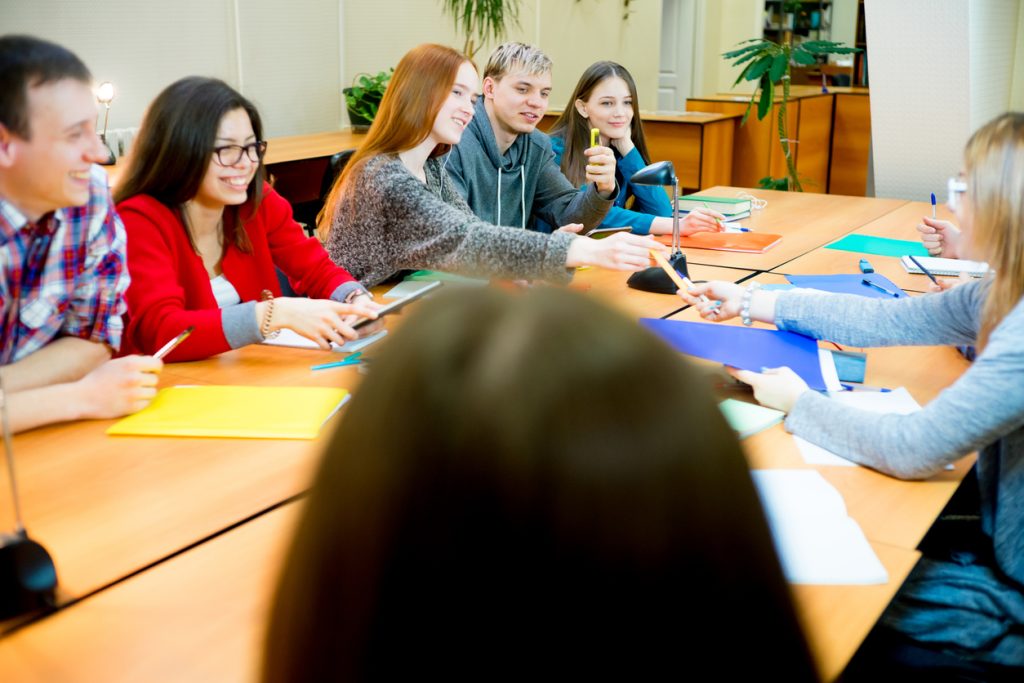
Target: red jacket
(170, 288)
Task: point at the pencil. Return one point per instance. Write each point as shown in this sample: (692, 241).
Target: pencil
(169, 346)
(923, 269)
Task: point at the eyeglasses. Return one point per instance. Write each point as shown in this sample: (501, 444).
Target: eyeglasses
(955, 187)
(229, 155)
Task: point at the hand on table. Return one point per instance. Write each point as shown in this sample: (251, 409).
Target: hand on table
(777, 388)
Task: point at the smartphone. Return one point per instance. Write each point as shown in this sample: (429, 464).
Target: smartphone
(601, 233)
(399, 304)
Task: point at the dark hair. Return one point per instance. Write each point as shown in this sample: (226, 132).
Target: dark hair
(172, 151)
(575, 129)
(27, 62)
(531, 482)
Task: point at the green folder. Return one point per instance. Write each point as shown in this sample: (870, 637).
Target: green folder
(879, 246)
(747, 419)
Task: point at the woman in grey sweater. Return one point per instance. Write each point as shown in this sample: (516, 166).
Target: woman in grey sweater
(972, 607)
(394, 207)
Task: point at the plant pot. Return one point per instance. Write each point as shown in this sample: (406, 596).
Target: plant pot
(360, 123)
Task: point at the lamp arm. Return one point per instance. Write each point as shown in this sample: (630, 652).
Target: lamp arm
(675, 216)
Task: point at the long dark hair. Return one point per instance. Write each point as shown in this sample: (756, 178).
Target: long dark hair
(173, 148)
(576, 131)
(531, 482)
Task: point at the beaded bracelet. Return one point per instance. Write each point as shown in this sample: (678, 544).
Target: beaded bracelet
(268, 296)
(748, 294)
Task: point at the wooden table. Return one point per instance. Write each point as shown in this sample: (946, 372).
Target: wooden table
(897, 224)
(176, 542)
(109, 506)
(806, 221)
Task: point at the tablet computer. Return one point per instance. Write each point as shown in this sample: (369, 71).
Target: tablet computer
(399, 304)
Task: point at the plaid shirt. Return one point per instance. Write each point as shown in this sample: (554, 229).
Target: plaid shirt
(63, 276)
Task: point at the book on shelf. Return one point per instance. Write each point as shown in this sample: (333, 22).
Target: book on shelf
(945, 266)
(728, 206)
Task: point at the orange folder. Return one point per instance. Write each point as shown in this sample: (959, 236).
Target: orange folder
(750, 242)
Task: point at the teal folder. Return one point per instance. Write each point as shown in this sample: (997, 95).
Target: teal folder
(880, 246)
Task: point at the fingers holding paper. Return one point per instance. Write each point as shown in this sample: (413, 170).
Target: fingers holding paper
(777, 388)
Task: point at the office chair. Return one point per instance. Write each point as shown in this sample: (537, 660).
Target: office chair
(306, 213)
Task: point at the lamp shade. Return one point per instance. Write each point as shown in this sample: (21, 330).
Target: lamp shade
(658, 173)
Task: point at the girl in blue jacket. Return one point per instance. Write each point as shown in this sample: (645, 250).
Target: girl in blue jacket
(605, 98)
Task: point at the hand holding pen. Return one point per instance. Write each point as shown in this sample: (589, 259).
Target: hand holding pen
(600, 165)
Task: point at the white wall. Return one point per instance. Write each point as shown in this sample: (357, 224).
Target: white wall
(724, 23)
(933, 86)
(288, 52)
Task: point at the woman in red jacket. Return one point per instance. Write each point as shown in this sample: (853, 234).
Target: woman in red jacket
(205, 233)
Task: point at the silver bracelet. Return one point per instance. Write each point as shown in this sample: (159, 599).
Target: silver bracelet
(748, 294)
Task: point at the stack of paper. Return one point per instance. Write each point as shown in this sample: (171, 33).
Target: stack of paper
(245, 412)
(817, 542)
(898, 402)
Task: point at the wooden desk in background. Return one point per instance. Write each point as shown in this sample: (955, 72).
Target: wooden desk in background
(699, 145)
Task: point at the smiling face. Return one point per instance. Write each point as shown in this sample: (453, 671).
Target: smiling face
(50, 170)
(609, 108)
(228, 185)
(517, 101)
(457, 110)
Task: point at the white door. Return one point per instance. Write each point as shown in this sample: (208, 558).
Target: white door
(675, 73)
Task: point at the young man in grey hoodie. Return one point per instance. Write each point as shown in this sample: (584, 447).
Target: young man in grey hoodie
(504, 167)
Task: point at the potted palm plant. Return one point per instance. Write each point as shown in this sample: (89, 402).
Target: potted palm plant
(479, 20)
(363, 98)
(769, 62)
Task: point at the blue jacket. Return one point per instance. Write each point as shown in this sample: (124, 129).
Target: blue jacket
(650, 201)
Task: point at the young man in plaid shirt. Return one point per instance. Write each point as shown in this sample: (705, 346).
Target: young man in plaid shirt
(62, 248)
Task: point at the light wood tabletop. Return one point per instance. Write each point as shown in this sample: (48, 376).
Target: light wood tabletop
(900, 224)
(890, 511)
(806, 221)
(175, 542)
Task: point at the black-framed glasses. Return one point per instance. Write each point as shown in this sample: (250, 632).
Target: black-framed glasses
(229, 155)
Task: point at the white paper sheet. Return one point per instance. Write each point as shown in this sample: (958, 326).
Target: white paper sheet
(817, 542)
(296, 340)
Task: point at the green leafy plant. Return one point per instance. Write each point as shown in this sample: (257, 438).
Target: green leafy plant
(364, 95)
(479, 20)
(769, 63)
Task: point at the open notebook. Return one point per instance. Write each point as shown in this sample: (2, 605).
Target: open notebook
(945, 266)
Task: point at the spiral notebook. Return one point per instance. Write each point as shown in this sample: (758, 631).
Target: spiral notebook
(945, 266)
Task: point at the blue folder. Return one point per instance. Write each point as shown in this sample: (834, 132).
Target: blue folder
(745, 348)
(849, 284)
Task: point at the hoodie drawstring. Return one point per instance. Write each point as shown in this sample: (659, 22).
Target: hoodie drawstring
(522, 198)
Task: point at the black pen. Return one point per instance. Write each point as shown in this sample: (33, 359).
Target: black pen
(169, 346)
(923, 269)
(879, 287)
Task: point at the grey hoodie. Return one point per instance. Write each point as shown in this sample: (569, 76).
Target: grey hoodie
(531, 186)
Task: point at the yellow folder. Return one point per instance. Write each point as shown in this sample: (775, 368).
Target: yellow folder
(235, 412)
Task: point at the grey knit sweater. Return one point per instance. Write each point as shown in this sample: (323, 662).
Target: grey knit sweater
(392, 221)
(982, 608)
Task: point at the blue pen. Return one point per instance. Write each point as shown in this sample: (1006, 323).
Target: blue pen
(933, 206)
(352, 359)
(879, 287)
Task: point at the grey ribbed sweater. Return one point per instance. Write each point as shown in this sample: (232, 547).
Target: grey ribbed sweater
(392, 221)
(980, 609)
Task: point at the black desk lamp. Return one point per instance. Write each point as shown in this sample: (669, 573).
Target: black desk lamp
(27, 574)
(105, 95)
(654, 279)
